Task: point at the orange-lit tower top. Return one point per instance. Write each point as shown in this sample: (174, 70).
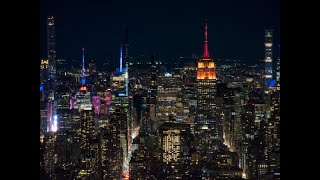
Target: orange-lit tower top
(206, 66)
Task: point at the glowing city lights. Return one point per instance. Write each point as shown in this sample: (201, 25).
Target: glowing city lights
(54, 127)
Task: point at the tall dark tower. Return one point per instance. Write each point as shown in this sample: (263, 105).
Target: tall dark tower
(153, 90)
(126, 45)
(52, 101)
(153, 81)
(278, 69)
(51, 48)
(268, 74)
(92, 72)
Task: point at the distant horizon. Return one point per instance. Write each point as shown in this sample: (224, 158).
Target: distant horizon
(162, 59)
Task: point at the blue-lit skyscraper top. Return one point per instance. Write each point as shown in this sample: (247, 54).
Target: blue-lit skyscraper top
(120, 58)
(83, 78)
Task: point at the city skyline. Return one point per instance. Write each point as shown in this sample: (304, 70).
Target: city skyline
(159, 116)
(236, 29)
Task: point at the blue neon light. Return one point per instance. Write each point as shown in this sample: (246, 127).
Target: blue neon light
(121, 94)
(41, 87)
(272, 83)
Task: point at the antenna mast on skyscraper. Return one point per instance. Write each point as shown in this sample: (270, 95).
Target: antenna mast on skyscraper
(83, 80)
(121, 58)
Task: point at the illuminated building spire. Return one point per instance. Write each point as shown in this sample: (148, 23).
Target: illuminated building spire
(83, 78)
(206, 66)
(121, 58)
(205, 47)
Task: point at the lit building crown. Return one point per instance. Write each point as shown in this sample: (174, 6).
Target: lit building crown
(206, 66)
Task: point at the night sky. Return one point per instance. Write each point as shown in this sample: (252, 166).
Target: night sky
(162, 27)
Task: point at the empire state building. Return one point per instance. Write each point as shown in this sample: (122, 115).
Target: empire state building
(206, 89)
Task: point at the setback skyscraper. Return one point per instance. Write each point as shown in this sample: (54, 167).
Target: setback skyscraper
(206, 88)
(205, 122)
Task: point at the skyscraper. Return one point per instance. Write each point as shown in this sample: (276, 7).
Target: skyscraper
(112, 156)
(92, 72)
(205, 122)
(170, 144)
(50, 87)
(278, 69)
(153, 81)
(51, 48)
(83, 71)
(153, 89)
(120, 105)
(126, 45)
(49, 154)
(273, 125)
(87, 135)
(168, 86)
(206, 88)
(268, 74)
(87, 131)
(174, 148)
